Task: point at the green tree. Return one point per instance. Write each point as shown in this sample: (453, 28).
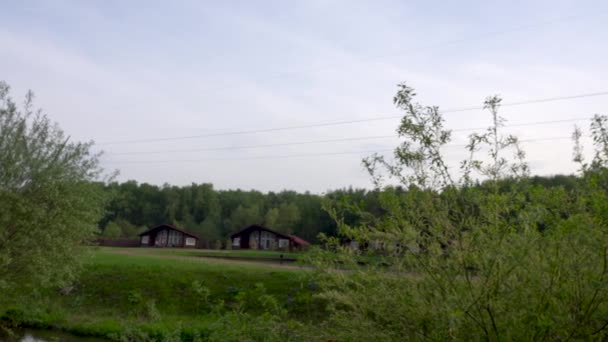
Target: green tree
(206, 203)
(112, 231)
(49, 206)
(271, 218)
(289, 216)
(488, 256)
(210, 230)
(130, 230)
(242, 217)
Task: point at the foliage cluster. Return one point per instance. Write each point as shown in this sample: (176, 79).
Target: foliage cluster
(213, 214)
(136, 207)
(49, 205)
(143, 298)
(491, 255)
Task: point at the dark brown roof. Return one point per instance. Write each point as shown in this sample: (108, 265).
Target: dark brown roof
(299, 240)
(163, 226)
(257, 226)
(293, 238)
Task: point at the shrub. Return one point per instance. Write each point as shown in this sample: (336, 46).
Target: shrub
(495, 260)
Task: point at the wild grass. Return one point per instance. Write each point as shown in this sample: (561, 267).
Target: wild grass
(120, 295)
(240, 253)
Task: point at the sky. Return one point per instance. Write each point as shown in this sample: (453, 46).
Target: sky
(162, 87)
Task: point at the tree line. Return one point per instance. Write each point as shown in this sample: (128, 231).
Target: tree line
(215, 214)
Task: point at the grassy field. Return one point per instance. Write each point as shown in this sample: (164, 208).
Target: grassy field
(240, 253)
(244, 254)
(143, 291)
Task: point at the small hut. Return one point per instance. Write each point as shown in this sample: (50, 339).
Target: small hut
(259, 237)
(166, 235)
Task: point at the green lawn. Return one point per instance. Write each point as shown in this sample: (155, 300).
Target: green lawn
(118, 292)
(254, 255)
(241, 253)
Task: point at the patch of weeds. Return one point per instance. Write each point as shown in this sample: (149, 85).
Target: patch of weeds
(134, 297)
(151, 312)
(202, 294)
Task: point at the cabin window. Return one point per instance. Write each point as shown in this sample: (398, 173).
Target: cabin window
(161, 238)
(190, 241)
(236, 242)
(145, 240)
(175, 238)
(283, 243)
(266, 239)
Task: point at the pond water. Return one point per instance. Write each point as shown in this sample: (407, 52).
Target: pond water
(29, 335)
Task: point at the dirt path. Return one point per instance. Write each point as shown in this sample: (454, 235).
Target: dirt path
(216, 260)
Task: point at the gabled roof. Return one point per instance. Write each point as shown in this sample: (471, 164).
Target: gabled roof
(164, 226)
(293, 238)
(299, 240)
(255, 227)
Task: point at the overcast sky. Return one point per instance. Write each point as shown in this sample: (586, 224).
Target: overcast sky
(115, 71)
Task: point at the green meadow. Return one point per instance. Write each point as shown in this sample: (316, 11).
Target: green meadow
(126, 296)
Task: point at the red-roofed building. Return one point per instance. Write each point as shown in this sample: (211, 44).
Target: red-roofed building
(166, 235)
(259, 237)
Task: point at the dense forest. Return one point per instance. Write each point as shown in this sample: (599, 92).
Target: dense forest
(215, 214)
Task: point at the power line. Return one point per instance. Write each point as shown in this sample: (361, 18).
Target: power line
(303, 155)
(526, 124)
(250, 158)
(345, 122)
(263, 130)
(533, 101)
(259, 146)
(524, 140)
(242, 147)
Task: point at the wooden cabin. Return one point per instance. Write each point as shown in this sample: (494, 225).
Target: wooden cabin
(259, 237)
(167, 235)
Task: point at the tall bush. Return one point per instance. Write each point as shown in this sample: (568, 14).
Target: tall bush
(49, 202)
(481, 254)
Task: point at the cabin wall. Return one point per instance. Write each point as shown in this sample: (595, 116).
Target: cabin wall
(174, 238)
(254, 240)
(268, 240)
(190, 242)
(168, 238)
(262, 240)
(147, 240)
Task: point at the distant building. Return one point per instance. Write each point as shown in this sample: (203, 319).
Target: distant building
(259, 237)
(167, 235)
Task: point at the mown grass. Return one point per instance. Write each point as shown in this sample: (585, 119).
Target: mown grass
(254, 255)
(242, 253)
(117, 294)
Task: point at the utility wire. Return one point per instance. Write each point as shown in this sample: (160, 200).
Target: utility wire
(345, 122)
(302, 155)
(243, 147)
(249, 158)
(526, 124)
(533, 101)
